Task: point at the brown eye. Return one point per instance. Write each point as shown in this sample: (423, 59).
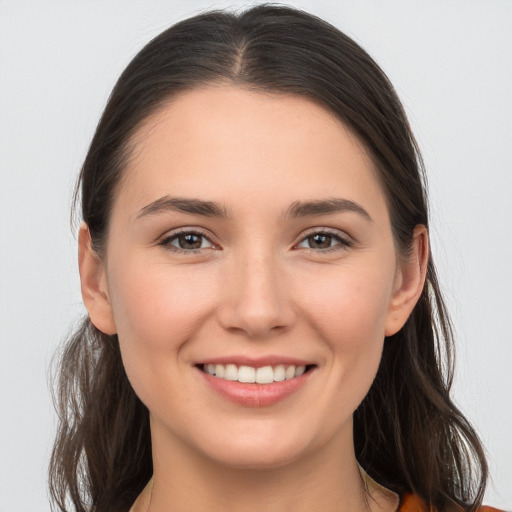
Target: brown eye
(324, 241)
(319, 241)
(189, 241)
(186, 241)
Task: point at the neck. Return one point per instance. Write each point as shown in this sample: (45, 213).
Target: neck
(328, 480)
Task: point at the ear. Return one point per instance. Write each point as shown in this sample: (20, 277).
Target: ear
(94, 283)
(409, 282)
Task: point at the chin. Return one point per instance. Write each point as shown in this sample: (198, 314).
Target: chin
(255, 457)
(258, 448)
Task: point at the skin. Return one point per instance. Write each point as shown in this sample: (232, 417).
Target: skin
(257, 286)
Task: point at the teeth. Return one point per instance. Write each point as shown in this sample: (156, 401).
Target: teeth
(219, 371)
(248, 374)
(264, 375)
(280, 373)
(230, 372)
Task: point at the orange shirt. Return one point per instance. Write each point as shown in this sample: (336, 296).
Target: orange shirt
(412, 503)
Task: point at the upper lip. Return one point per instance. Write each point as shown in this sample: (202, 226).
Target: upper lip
(256, 362)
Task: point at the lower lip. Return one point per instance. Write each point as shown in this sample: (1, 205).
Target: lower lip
(256, 395)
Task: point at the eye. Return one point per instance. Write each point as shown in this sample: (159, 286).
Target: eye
(195, 241)
(325, 241)
(186, 242)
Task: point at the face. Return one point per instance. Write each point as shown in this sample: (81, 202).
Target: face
(249, 240)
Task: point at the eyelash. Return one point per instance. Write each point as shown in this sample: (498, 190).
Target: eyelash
(343, 242)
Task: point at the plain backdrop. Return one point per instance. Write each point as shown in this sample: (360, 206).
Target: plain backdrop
(451, 63)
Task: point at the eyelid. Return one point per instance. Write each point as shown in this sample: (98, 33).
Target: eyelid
(325, 229)
(345, 240)
(165, 240)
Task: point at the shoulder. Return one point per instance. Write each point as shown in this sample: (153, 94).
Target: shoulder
(413, 503)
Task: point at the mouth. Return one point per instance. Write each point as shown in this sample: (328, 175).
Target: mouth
(255, 386)
(255, 375)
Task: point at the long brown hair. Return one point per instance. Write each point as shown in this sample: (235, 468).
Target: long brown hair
(409, 436)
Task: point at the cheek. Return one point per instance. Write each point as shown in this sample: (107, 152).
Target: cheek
(147, 297)
(157, 308)
(350, 305)
(348, 313)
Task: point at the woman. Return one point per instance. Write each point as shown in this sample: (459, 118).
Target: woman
(265, 329)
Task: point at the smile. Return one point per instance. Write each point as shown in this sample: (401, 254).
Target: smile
(264, 384)
(252, 375)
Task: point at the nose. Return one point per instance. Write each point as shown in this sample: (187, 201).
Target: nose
(255, 297)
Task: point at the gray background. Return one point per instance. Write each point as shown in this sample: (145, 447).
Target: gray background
(451, 62)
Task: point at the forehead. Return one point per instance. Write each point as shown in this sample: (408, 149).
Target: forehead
(225, 141)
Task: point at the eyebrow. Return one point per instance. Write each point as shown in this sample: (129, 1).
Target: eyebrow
(184, 205)
(297, 209)
(325, 207)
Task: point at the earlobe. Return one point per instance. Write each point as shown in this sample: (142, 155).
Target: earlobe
(409, 282)
(94, 284)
